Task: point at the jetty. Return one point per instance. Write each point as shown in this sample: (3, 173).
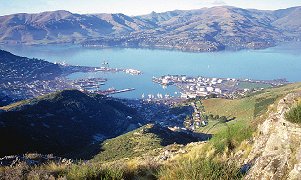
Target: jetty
(113, 91)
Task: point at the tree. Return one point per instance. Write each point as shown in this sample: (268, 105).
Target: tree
(223, 119)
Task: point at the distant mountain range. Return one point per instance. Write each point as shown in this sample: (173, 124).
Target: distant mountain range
(206, 29)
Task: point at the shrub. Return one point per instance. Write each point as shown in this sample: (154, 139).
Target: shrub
(231, 137)
(116, 171)
(201, 168)
(294, 114)
(94, 171)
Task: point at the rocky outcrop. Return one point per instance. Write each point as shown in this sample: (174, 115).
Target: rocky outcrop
(276, 152)
(32, 160)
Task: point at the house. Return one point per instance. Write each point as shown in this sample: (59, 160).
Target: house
(204, 123)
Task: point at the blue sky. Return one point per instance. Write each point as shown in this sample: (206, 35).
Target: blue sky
(132, 7)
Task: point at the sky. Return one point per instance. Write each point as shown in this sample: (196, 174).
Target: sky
(133, 7)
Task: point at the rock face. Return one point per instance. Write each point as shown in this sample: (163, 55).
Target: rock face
(31, 159)
(276, 152)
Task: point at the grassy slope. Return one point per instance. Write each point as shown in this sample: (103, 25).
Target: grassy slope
(129, 145)
(247, 109)
(250, 85)
(146, 139)
(205, 161)
(129, 156)
(31, 101)
(67, 120)
(213, 160)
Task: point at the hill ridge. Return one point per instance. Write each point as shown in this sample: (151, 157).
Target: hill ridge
(206, 29)
(62, 123)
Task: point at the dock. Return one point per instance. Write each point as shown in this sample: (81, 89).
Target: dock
(114, 91)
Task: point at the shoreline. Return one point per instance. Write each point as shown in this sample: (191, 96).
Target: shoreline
(163, 48)
(152, 48)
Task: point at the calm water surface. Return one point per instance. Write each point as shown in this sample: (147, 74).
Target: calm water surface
(283, 61)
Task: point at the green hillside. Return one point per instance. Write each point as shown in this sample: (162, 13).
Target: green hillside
(155, 152)
(62, 122)
(141, 141)
(245, 110)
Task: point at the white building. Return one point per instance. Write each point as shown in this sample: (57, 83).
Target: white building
(219, 81)
(202, 93)
(202, 89)
(165, 81)
(210, 89)
(218, 90)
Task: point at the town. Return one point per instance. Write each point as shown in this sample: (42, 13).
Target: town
(37, 77)
(192, 87)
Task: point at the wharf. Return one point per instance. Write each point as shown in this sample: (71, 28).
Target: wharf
(114, 91)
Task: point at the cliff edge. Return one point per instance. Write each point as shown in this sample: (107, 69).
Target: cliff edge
(276, 152)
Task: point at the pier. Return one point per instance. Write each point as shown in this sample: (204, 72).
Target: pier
(113, 91)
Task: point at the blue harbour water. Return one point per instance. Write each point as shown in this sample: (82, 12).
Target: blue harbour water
(283, 61)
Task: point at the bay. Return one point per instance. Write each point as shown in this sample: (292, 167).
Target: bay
(283, 61)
